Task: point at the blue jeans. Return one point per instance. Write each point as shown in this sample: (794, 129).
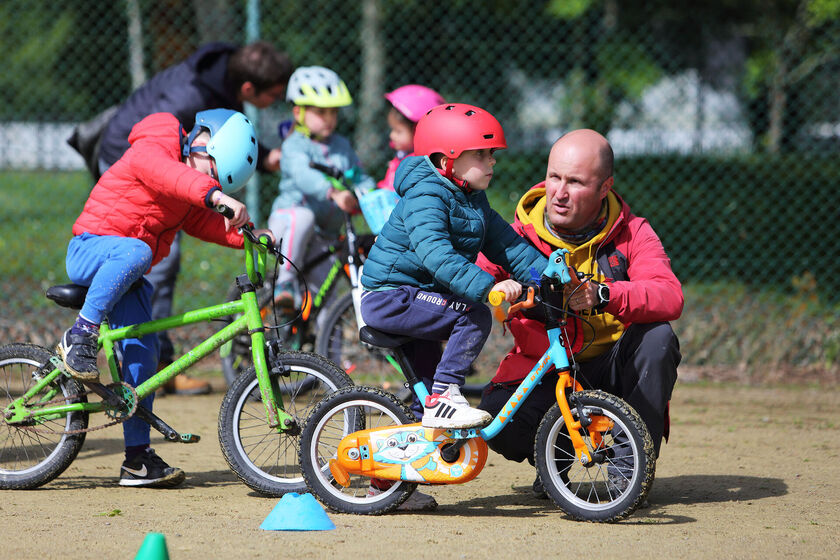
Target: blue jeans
(163, 276)
(109, 265)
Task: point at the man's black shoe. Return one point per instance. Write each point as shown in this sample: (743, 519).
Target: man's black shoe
(538, 489)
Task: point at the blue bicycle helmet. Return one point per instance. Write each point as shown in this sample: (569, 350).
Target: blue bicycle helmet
(232, 144)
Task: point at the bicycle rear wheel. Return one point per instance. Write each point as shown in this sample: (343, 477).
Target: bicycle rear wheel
(338, 340)
(621, 473)
(33, 454)
(339, 414)
(264, 459)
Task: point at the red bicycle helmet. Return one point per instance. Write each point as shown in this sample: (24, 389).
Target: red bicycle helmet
(451, 128)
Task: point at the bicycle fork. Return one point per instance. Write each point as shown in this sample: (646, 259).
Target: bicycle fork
(594, 424)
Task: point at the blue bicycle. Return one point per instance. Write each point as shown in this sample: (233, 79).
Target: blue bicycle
(593, 452)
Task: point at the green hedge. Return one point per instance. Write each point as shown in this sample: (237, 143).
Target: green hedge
(765, 222)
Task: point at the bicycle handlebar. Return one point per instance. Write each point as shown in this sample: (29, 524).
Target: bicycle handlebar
(333, 172)
(247, 229)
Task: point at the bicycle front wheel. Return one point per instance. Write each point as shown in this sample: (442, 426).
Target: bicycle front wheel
(34, 453)
(621, 473)
(263, 458)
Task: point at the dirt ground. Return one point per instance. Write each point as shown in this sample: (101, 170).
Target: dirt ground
(748, 473)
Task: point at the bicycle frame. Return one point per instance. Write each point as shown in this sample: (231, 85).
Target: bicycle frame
(250, 321)
(554, 357)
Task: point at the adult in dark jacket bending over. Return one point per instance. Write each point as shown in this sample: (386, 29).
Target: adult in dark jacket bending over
(217, 75)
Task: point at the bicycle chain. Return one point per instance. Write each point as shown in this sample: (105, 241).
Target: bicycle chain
(65, 398)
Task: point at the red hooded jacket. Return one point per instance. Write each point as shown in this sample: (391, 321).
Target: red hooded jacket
(643, 288)
(150, 194)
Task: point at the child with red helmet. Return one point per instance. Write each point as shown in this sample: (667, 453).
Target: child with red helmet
(408, 104)
(420, 277)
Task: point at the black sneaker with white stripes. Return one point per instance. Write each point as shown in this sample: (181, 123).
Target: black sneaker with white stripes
(78, 350)
(147, 469)
(452, 411)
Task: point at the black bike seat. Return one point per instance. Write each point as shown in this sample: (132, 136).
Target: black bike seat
(374, 337)
(68, 295)
(73, 295)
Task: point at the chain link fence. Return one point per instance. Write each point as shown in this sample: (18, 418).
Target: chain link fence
(724, 118)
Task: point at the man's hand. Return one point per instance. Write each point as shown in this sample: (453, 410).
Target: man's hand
(511, 288)
(240, 213)
(344, 200)
(585, 297)
(272, 160)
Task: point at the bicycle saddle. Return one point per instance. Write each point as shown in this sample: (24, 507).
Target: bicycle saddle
(73, 295)
(374, 337)
(68, 295)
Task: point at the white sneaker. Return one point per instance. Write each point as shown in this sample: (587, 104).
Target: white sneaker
(452, 411)
(418, 501)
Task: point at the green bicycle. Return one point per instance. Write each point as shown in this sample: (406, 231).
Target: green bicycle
(45, 413)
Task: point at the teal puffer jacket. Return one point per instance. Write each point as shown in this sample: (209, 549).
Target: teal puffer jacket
(435, 233)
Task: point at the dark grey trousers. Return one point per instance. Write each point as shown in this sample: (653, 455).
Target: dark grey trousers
(641, 368)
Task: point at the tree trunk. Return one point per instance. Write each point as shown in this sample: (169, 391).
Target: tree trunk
(135, 44)
(370, 96)
(777, 100)
(213, 21)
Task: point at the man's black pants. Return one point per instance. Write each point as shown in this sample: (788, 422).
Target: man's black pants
(641, 368)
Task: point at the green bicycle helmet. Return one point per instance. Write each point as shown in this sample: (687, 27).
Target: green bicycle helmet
(316, 86)
(232, 144)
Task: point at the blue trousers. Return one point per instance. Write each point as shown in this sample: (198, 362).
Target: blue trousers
(163, 277)
(430, 318)
(109, 265)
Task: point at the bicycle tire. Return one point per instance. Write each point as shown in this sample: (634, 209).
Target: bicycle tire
(338, 340)
(263, 459)
(614, 486)
(29, 459)
(359, 408)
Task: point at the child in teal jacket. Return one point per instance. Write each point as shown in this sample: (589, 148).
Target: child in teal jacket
(420, 277)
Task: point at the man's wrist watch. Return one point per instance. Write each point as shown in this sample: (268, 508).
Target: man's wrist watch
(603, 294)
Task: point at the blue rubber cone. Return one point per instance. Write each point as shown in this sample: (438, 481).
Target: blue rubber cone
(295, 512)
(153, 548)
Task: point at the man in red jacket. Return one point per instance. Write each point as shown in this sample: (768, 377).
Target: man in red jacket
(165, 182)
(632, 294)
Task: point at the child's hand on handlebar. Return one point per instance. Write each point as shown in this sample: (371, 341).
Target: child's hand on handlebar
(240, 213)
(344, 200)
(511, 288)
(266, 232)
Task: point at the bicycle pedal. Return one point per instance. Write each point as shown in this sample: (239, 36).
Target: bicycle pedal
(468, 433)
(58, 364)
(190, 438)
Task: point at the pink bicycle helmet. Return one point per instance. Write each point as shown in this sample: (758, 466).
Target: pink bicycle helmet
(414, 101)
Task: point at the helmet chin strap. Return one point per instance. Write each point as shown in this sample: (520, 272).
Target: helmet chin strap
(299, 126)
(449, 173)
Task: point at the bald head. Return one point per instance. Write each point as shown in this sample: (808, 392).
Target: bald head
(588, 147)
(578, 178)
